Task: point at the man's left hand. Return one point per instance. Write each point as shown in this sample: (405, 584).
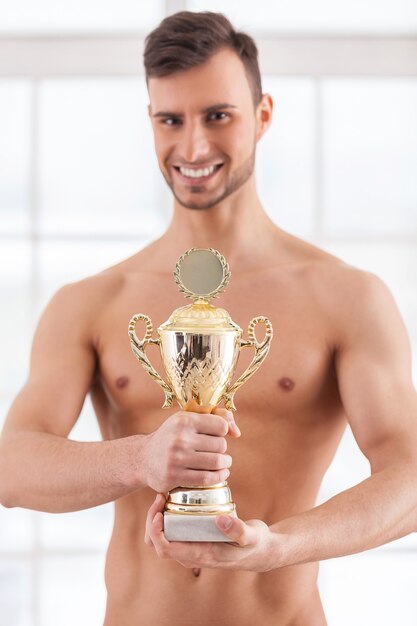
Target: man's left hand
(249, 546)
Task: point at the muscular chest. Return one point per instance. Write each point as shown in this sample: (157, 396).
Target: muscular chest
(296, 376)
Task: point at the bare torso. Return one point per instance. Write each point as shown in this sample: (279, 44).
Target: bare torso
(291, 419)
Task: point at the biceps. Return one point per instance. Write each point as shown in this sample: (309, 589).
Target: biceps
(379, 399)
(53, 397)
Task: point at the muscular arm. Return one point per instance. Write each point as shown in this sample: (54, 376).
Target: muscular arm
(373, 364)
(39, 467)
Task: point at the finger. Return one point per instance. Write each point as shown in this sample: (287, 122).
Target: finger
(157, 537)
(194, 478)
(208, 461)
(155, 507)
(229, 417)
(236, 530)
(210, 424)
(208, 443)
(158, 505)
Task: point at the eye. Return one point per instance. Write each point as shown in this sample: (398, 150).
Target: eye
(218, 116)
(170, 121)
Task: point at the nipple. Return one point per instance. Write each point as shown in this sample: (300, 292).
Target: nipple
(122, 381)
(286, 383)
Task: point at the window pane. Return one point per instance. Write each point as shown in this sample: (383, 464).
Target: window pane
(86, 428)
(370, 588)
(322, 15)
(16, 530)
(89, 529)
(285, 166)
(16, 321)
(98, 170)
(79, 15)
(72, 591)
(15, 99)
(15, 593)
(348, 468)
(61, 262)
(370, 156)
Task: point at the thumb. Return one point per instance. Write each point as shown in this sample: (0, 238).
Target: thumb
(235, 529)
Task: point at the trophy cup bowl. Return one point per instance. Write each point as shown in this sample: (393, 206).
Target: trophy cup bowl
(200, 346)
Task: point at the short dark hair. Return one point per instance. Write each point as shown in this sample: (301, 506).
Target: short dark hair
(187, 39)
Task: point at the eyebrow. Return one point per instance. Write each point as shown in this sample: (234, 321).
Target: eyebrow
(211, 109)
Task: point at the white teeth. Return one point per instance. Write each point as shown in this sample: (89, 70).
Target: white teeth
(197, 173)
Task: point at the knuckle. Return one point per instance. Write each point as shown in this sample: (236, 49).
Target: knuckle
(220, 425)
(179, 442)
(223, 427)
(222, 445)
(207, 478)
(182, 421)
(223, 475)
(220, 476)
(220, 462)
(214, 463)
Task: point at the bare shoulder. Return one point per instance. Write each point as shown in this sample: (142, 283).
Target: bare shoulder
(358, 304)
(331, 278)
(79, 304)
(353, 302)
(88, 293)
(346, 288)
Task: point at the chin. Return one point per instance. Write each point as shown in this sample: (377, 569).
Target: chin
(193, 206)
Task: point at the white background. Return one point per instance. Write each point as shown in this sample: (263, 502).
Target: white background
(80, 189)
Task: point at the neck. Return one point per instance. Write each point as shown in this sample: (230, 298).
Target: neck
(238, 227)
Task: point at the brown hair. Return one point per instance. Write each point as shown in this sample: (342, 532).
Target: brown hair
(187, 39)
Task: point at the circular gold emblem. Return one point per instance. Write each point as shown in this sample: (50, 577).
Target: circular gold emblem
(201, 273)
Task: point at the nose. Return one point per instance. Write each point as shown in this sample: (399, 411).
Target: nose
(194, 144)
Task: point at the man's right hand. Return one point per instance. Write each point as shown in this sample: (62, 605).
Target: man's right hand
(188, 450)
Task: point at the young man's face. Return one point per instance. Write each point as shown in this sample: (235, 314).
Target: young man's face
(205, 129)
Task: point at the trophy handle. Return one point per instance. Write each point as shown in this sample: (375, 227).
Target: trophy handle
(261, 350)
(138, 349)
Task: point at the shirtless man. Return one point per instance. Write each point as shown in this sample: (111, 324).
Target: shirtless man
(340, 354)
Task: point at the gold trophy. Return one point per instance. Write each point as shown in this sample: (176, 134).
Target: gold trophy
(199, 346)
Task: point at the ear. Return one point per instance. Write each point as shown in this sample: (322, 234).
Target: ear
(263, 115)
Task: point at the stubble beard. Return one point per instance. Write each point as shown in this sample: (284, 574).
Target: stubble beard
(236, 180)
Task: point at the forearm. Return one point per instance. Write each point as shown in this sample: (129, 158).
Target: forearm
(45, 472)
(376, 511)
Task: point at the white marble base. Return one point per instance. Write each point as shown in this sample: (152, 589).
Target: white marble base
(192, 527)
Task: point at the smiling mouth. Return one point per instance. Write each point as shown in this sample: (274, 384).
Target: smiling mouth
(194, 176)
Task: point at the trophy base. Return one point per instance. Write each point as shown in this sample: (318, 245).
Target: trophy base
(179, 527)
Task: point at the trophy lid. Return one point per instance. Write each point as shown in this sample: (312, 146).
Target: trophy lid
(200, 317)
(201, 274)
